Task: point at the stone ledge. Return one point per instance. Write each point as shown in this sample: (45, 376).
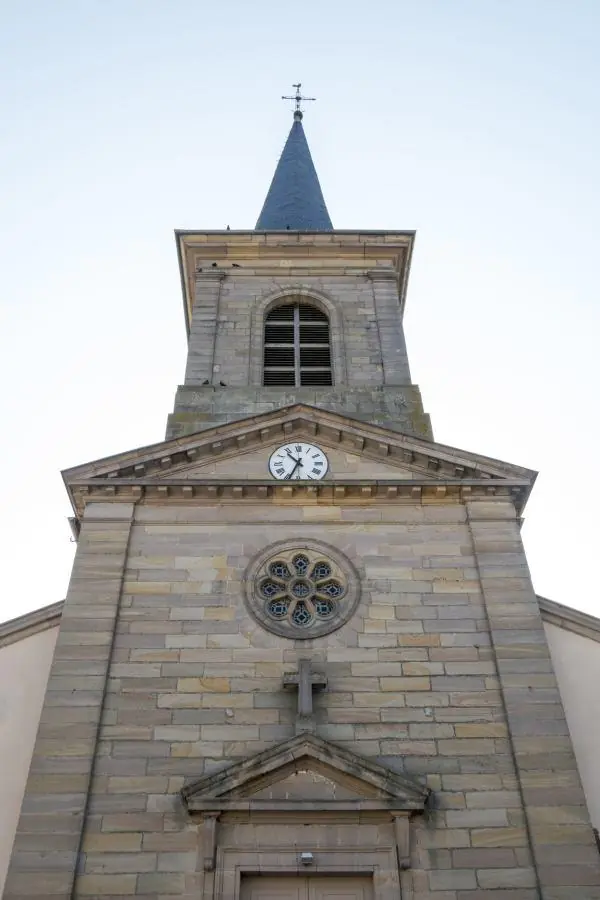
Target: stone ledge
(31, 623)
(570, 619)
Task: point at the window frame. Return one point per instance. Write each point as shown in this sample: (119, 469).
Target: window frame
(297, 345)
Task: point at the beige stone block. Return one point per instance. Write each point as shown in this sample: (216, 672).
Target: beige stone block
(57, 784)
(119, 863)
(38, 884)
(378, 700)
(229, 732)
(227, 640)
(467, 747)
(430, 730)
(170, 884)
(105, 885)
(557, 815)
(452, 879)
(472, 782)
(194, 749)
(137, 785)
(205, 701)
(422, 668)
(410, 683)
(432, 699)
(197, 685)
(146, 587)
(219, 613)
(493, 799)
(481, 730)
(477, 818)
(494, 857)
(133, 822)
(159, 656)
(181, 861)
(506, 878)
(456, 587)
(499, 837)
(171, 841)
(419, 640)
(408, 748)
(381, 612)
(444, 838)
(94, 842)
(352, 715)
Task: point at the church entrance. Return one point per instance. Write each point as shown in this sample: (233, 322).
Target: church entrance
(307, 887)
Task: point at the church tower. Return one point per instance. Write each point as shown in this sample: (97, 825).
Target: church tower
(296, 312)
(301, 656)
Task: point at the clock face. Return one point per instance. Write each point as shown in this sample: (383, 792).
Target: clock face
(297, 462)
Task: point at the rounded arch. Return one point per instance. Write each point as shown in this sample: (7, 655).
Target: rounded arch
(263, 305)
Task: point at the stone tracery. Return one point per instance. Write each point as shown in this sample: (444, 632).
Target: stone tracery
(301, 591)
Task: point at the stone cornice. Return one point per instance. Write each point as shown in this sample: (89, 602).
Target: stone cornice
(369, 492)
(571, 619)
(291, 255)
(31, 623)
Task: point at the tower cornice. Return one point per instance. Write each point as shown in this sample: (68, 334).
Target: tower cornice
(292, 255)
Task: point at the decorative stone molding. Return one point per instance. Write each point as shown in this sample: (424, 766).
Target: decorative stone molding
(31, 623)
(375, 492)
(365, 789)
(154, 470)
(570, 619)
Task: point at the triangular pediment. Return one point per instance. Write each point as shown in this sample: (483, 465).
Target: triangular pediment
(343, 462)
(366, 457)
(303, 771)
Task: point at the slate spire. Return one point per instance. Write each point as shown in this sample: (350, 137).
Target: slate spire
(295, 200)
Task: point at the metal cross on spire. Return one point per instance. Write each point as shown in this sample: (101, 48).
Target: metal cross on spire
(298, 98)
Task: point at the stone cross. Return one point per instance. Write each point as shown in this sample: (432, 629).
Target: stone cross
(306, 681)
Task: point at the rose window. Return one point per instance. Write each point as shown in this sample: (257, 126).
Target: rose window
(301, 593)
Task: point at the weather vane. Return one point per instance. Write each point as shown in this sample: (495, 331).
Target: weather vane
(298, 98)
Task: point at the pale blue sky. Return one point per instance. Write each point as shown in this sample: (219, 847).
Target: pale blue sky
(473, 121)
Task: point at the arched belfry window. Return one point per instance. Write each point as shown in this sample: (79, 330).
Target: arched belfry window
(296, 347)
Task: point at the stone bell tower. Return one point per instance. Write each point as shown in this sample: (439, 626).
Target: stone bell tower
(301, 657)
(345, 351)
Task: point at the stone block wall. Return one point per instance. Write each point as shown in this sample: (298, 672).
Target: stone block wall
(226, 328)
(443, 673)
(199, 407)
(372, 379)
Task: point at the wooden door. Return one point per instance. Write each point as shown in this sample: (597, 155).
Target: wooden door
(273, 887)
(307, 887)
(338, 887)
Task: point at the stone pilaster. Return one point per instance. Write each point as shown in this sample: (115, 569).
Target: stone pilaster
(562, 842)
(45, 851)
(203, 327)
(394, 356)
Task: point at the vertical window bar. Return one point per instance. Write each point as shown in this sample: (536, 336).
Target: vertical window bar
(297, 344)
(297, 349)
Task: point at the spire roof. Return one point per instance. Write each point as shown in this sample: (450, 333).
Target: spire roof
(295, 200)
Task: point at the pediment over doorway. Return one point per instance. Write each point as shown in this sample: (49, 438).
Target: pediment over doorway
(303, 773)
(305, 780)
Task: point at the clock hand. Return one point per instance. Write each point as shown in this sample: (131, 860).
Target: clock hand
(289, 474)
(291, 457)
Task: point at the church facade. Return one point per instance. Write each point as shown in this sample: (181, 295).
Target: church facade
(300, 656)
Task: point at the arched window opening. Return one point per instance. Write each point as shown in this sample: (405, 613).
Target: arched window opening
(296, 349)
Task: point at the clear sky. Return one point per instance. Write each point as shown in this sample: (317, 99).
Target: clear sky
(473, 121)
